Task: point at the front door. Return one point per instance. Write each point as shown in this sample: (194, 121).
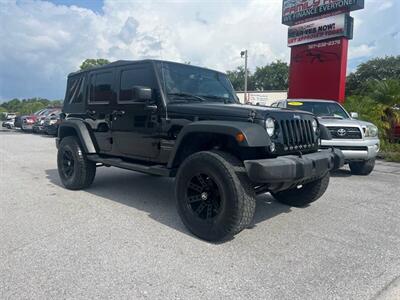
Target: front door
(135, 128)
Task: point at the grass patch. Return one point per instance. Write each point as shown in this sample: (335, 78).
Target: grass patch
(390, 152)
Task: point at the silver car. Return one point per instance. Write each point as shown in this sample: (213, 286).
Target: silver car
(357, 139)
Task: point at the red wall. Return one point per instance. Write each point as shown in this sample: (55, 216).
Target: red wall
(318, 70)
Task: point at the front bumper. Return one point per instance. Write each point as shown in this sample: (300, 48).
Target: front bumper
(27, 126)
(354, 150)
(38, 128)
(294, 169)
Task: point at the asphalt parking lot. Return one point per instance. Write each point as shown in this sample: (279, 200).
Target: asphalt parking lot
(122, 238)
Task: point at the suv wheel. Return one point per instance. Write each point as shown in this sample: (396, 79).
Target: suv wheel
(362, 167)
(307, 193)
(75, 170)
(215, 199)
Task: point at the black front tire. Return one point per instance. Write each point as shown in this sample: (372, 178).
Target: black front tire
(75, 170)
(231, 203)
(305, 194)
(363, 167)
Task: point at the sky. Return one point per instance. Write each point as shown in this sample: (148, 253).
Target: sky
(42, 41)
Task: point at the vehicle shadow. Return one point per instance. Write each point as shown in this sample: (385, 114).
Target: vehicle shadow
(341, 173)
(155, 196)
(46, 136)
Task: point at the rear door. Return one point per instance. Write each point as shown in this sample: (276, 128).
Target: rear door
(134, 128)
(101, 102)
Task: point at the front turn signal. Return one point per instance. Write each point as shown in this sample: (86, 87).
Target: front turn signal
(240, 137)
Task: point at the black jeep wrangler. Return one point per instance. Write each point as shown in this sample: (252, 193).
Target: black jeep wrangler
(177, 120)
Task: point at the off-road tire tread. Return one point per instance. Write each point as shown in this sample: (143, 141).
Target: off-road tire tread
(87, 168)
(244, 192)
(248, 204)
(362, 168)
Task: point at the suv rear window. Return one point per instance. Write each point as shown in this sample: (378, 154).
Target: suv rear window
(101, 87)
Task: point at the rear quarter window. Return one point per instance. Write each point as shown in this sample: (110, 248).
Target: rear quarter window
(75, 90)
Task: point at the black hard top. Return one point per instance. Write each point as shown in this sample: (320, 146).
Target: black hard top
(120, 63)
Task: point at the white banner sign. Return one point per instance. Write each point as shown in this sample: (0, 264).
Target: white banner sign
(321, 29)
(294, 11)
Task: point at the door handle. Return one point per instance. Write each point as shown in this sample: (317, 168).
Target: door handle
(91, 112)
(118, 113)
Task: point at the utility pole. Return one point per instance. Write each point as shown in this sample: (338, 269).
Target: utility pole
(244, 53)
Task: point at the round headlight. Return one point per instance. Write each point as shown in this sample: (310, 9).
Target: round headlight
(270, 126)
(314, 125)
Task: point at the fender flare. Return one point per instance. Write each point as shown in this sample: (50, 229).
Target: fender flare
(82, 133)
(255, 135)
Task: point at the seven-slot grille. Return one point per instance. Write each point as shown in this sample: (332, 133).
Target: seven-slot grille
(345, 132)
(297, 134)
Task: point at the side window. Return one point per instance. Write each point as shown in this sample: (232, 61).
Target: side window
(281, 104)
(139, 76)
(274, 104)
(101, 87)
(75, 90)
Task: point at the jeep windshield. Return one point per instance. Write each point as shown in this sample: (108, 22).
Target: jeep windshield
(185, 83)
(322, 109)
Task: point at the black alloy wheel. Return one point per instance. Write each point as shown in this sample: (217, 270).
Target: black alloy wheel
(203, 197)
(68, 163)
(75, 170)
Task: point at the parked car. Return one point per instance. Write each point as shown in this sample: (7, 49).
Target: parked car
(10, 115)
(52, 122)
(357, 139)
(39, 127)
(178, 120)
(28, 121)
(18, 122)
(9, 122)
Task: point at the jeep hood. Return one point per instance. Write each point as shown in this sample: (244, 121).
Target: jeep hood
(230, 110)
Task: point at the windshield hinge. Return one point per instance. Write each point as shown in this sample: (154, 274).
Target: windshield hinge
(252, 115)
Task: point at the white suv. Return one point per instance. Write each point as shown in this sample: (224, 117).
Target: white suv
(357, 139)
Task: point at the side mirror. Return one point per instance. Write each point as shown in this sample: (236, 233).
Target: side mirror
(141, 93)
(354, 115)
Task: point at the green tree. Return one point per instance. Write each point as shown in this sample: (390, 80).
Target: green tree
(272, 77)
(386, 92)
(237, 79)
(378, 104)
(2, 114)
(28, 106)
(269, 77)
(93, 62)
(375, 69)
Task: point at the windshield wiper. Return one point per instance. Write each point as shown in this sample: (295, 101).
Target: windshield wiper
(188, 96)
(226, 100)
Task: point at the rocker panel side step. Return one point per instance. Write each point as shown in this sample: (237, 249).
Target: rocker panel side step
(119, 163)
